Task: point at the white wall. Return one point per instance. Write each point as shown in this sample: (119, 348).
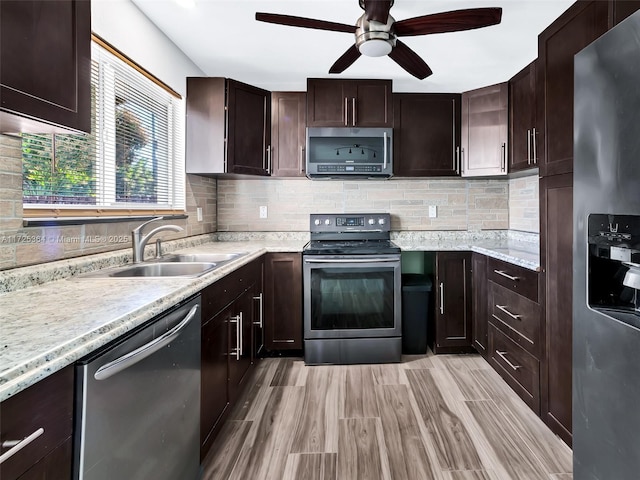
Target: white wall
(124, 26)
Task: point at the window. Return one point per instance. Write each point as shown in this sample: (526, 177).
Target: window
(132, 160)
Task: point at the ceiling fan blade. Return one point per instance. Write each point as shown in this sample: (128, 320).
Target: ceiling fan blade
(304, 22)
(453, 21)
(377, 10)
(346, 60)
(410, 61)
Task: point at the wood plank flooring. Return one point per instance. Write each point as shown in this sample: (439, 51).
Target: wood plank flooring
(445, 417)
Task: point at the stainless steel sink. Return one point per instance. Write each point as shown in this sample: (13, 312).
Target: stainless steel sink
(157, 269)
(202, 257)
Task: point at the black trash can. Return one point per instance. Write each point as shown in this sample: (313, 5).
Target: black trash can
(416, 292)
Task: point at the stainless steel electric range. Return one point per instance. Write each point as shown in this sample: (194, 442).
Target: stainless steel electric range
(352, 287)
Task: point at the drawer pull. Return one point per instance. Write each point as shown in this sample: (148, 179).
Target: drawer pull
(503, 308)
(17, 445)
(503, 274)
(503, 356)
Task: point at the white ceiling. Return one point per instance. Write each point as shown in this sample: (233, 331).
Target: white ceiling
(223, 38)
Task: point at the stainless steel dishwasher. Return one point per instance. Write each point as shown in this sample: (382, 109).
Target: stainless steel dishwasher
(138, 403)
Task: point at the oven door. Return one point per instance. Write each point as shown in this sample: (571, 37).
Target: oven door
(351, 296)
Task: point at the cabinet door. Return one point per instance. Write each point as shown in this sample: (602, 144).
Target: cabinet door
(479, 313)
(576, 28)
(556, 259)
(523, 151)
(327, 103)
(484, 131)
(348, 103)
(240, 327)
(426, 134)
(288, 121)
(45, 65)
(370, 103)
(213, 376)
(621, 9)
(248, 129)
(283, 301)
(453, 302)
(47, 405)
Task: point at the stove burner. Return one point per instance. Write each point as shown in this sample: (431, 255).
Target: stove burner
(350, 247)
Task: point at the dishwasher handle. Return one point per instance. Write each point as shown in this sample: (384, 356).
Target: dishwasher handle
(111, 368)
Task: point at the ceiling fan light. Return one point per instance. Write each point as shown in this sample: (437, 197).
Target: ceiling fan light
(375, 48)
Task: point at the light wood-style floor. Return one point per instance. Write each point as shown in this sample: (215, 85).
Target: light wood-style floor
(445, 417)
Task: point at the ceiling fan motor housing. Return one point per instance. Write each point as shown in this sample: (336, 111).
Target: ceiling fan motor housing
(375, 39)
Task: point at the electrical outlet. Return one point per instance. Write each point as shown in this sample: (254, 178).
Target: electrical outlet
(263, 211)
(432, 211)
(199, 213)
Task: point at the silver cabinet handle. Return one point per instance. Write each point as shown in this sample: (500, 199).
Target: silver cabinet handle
(535, 149)
(353, 114)
(503, 308)
(260, 322)
(269, 159)
(441, 298)
(346, 112)
(503, 274)
(17, 445)
(384, 146)
(238, 321)
(503, 356)
(302, 159)
(111, 368)
(528, 147)
(457, 161)
(504, 157)
(462, 160)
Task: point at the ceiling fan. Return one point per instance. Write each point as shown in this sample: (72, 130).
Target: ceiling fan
(377, 32)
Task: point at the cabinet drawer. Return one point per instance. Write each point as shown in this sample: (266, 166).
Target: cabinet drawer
(517, 367)
(47, 405)
(220, 294)
(513, 277)
(517, 316)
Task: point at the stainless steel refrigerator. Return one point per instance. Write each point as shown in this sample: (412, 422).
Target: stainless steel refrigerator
(606, 261)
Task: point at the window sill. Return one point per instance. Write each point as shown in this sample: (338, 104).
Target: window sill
(59, 221)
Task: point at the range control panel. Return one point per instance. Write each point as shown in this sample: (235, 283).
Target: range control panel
(349, 222)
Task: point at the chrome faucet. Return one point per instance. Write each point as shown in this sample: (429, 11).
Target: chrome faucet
(139, 241)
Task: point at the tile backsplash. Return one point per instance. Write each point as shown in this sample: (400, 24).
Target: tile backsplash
(21, 246)
(461, 204)
(524, 207)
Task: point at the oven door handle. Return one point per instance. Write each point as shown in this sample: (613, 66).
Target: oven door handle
(353, 260)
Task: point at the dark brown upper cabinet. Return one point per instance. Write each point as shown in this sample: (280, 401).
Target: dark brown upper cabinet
(349, 103)
(228, 127)
(523, 130)
(426, 134)
(621, 9)
(576, 28)
(45, 66)
(484, 141)
(288, 121)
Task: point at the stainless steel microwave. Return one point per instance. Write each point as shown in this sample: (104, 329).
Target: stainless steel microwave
(349, 152)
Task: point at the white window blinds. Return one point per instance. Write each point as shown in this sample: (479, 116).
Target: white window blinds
(132, 160)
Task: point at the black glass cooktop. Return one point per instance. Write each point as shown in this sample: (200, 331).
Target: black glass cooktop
(350, 247)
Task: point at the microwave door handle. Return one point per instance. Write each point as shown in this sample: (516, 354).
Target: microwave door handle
(384, 166)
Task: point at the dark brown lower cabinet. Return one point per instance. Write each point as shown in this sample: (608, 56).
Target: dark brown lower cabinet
(479, 314)
(556, 245)
(283, 301)
(453, 303)
(47, 405)
(230, 311)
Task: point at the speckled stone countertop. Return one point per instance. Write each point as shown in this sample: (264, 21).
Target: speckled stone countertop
(51, 317)
(47, 327)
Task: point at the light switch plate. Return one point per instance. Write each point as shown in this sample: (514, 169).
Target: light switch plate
(263, 211)
(432, 211)
(199, 213)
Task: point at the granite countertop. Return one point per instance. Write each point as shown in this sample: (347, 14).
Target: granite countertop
(62, 317)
